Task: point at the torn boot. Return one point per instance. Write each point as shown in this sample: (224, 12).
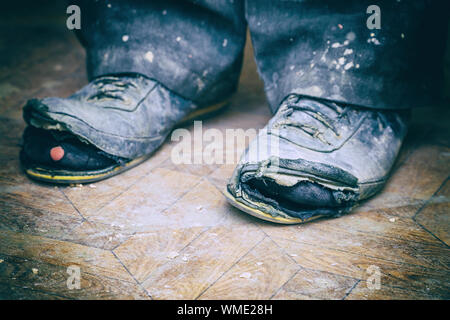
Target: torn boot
(110, 125)
(316, 159)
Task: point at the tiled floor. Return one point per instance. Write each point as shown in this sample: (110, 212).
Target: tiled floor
(164, 231)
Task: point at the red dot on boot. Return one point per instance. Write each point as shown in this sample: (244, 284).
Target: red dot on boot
(57, 153)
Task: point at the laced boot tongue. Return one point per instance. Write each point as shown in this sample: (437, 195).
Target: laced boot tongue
(113, 88)
(315, 124)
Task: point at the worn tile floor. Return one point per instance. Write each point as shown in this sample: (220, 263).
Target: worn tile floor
(164, 231)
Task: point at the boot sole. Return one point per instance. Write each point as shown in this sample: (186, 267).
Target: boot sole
(75, 177)
(262, 215)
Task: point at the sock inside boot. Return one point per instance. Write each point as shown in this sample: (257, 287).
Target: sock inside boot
(303, 193)
(303, 199)
(62, 150)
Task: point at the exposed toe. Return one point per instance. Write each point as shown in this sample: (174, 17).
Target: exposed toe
(60, 150)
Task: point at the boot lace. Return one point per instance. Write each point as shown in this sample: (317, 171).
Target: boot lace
(294, 102)
(112, 88)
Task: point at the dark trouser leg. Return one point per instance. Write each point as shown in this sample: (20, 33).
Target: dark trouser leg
(192, 47)
(324, 49)
(326, 156)
(190, 53)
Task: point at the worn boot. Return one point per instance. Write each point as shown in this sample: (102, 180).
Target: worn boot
(110, 125)
(316, 159)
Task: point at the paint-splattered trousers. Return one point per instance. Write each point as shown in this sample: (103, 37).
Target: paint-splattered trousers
(321, 48)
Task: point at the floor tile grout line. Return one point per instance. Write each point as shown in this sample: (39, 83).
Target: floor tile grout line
(407, 289)
(137, 282)
(235, 263)
(282, 250)
(38, 290)
(32, 259)
(72, 204)
(121, 243)
(431, 197)
(432, 234)
(378, 235)
(129, 186)
(37, 234)
(287, 281)
(304, 268)
(126, 189)
(390, 237)
(33, 93)
(179, 251)
(182, 195)
(362, 255)
(351, 289)
(396, 287)
(414, 217)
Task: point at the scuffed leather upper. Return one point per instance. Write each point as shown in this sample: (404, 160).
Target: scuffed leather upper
(342, 148)
(126, 116)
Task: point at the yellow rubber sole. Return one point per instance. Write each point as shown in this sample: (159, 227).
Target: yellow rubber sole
(59, 176)
(263, 215)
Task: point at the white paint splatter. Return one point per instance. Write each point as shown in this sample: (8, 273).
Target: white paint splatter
(374, 41)
(245, 275)
(149, 56)
(347, 52)
(172, 255)
(200, 84)
(348, 65)
(125, 38)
